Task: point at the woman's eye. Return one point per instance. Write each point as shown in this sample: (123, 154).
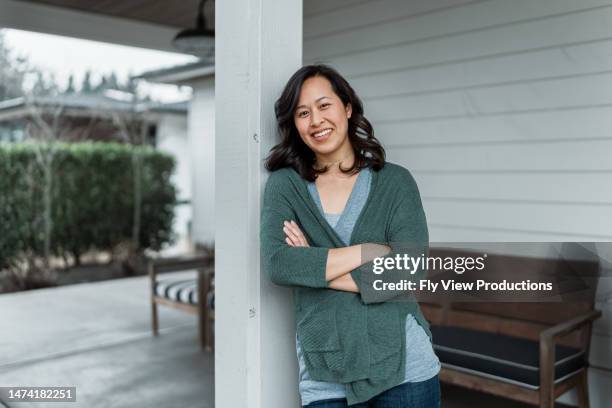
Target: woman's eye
(325, 105)
(302, 114)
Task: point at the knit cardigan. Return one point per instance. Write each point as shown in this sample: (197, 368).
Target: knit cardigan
(352, 338)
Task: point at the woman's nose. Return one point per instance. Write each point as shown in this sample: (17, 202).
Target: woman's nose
(315, 119)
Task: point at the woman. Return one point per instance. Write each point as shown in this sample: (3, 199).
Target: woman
(331, 205)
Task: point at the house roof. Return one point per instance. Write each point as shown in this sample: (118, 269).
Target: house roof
(85, 104)
(176, 14)
(178, 74)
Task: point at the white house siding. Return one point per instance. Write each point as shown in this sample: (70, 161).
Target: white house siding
(202, 153)
(501, 109)
(172, 139)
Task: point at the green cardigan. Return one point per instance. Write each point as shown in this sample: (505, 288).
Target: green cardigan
(353, 338)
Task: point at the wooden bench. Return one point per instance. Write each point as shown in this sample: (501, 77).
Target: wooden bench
(185, 294)
(530, 352)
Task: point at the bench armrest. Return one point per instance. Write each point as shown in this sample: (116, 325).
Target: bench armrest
(180, 263)
(157, 265)
(569, 326)
(547, 351)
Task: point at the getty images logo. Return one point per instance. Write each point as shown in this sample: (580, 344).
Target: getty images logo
(459, 264)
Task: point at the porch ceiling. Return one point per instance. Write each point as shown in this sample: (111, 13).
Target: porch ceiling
(177, 14)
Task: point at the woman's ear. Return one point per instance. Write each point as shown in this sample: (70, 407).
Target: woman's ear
(349, 110)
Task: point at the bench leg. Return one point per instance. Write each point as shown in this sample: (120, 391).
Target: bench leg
(547, 373)
(583, 390)
(154, 322)
(205, 328)
(210, 343)
(202, 327)
(547, 402)
(152, 277)
(203, 318)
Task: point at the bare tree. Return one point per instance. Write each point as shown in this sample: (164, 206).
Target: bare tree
(132, 124)
(44, 130)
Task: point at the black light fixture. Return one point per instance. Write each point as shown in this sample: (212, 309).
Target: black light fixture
(200, 40)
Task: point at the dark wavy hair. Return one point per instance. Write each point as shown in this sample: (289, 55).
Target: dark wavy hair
(293, 152)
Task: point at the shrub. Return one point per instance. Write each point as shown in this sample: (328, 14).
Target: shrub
(93, 188)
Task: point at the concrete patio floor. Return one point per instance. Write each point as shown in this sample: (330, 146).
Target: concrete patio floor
(96, 336)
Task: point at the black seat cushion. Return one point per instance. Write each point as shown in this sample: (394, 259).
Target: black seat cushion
(510, 359)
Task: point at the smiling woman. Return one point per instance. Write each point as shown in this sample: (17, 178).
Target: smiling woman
(319, 118)
(330, 200)
(321, 122)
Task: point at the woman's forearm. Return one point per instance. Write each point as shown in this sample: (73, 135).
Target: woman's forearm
(341, 261)
(344, 283)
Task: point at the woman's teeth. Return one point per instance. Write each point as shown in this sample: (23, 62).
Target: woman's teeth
(322, 133)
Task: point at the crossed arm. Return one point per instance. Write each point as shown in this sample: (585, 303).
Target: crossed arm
(290, 261)
(340, 261)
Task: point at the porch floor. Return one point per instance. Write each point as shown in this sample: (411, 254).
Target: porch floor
(96, 336)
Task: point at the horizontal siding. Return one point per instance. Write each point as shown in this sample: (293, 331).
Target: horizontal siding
(570, 60)
(541, 96)
(501, 109)
(477, 30)
(569, 220)
(351, 16)
(463, 232)
(527, 187)
(564, 156)
(314, 8)
(526, 127)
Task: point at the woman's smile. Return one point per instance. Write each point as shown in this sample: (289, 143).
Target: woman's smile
(322, 135)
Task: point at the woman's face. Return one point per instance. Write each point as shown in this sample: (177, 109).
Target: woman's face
(321, 118)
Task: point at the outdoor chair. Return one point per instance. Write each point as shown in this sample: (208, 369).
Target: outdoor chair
(185, 293)
(530, 352)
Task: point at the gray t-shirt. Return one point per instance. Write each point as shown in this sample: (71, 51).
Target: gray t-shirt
(421, 362)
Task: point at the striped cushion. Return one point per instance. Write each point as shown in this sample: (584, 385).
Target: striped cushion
(211, 300)
(183, 290)
(211, 294)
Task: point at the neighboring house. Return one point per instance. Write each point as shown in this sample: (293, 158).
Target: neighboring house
(86, 116)
(200, 76)
(95, 117)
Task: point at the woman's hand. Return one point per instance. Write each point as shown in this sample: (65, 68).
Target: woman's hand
(294, 236)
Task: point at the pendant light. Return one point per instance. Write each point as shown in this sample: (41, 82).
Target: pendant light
(198, 41)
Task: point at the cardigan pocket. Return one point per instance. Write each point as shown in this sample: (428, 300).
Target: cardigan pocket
(385, 338)
(317, 330)
(319, 339)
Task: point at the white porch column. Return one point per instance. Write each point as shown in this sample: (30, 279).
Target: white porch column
(258, 46)
(202, 155)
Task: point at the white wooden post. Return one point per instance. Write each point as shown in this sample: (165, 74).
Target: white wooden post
(258, 46)
(202, 155)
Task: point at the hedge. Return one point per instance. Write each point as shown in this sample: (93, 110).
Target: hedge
(92, 197)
